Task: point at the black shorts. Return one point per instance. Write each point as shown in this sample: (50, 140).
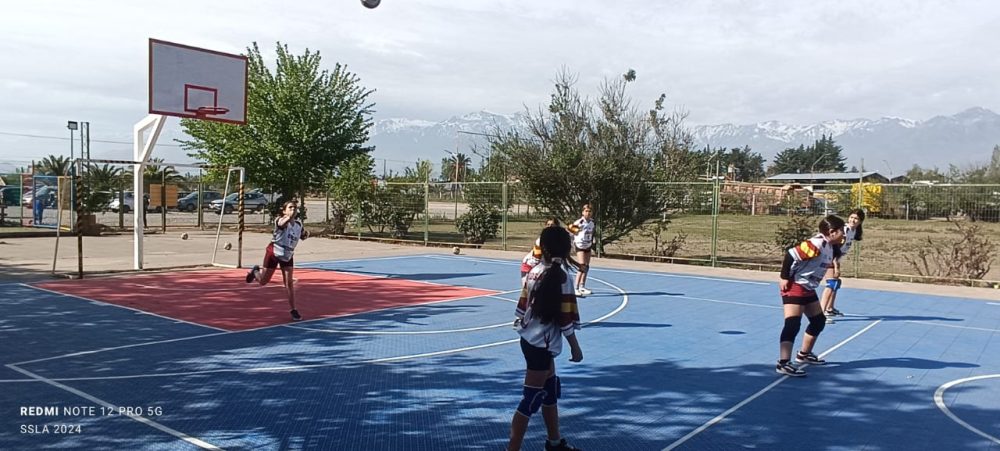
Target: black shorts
(538, 359)
(799, 300)
(585, 251)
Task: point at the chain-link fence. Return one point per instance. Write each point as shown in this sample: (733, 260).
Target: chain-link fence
(912, 232)
(931, 232)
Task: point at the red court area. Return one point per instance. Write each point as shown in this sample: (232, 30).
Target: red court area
(223, 299)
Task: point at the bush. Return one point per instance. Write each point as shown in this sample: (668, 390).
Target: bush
(661, 247)
(969, 256)
(795, 231)
(481, 223)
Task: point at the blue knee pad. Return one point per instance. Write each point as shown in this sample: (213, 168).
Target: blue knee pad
(791, 329)
(532, 400)
(553, 390)
(816, 324)
(833, 284)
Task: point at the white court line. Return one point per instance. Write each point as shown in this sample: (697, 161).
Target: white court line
(619, 271)
(187, 438)
(928, 323)
(418, 332)
(939, 400)
(108, 304)
(994, 303)
(95, 351)
(754, 396)
(339, 362)
(717, 301)
(467, 329)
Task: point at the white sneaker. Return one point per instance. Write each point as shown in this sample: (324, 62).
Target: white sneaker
(585, 291)
(580, 293)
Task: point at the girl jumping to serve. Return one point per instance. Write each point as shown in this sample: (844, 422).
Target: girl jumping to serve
(288, 230)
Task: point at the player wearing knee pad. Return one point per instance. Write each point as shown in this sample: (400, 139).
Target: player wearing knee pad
(853, 231)
(531, 401)
(802, 271)
(548, 314)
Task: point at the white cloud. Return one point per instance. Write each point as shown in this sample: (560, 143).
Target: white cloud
(730, 61)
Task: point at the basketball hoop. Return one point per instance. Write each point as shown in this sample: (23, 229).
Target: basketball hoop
(206, 111)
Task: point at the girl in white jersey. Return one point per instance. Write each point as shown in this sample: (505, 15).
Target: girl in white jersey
(583, 238)
(801, 272)
(288, 230)
(852, 233)
(548, 312)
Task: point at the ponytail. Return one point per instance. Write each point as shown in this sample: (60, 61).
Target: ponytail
(546, 295)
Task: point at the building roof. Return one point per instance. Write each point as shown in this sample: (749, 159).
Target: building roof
(824, 176)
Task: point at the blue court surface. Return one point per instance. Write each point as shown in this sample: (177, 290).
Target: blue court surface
(670, 362)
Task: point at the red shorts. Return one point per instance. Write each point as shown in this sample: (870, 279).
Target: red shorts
(271, 262)
(797, 294)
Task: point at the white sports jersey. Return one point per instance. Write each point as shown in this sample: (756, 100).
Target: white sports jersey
(810, 260)
(547, 336)
(583, 233)
(285, 238)
(849, 234)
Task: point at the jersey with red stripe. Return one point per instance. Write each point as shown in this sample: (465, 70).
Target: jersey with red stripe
(547, 336)
(533, 258)
(810, 259)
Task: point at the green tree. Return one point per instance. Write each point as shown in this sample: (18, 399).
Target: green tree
(743, 165)
(303, 121)
(54, 165)
(602, 152)
(457, 168)
(824, 155)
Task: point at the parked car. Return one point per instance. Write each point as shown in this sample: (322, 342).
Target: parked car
(10, 196)
(190, 201)
(129, 202)
(252, 202)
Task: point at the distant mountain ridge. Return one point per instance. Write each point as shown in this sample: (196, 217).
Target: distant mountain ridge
(888, 144)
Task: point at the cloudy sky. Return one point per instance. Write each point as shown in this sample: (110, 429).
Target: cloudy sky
(727, 61)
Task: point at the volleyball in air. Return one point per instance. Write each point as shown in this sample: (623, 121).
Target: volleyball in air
(370, 4)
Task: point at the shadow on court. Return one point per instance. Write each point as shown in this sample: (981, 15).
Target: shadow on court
(462, 402)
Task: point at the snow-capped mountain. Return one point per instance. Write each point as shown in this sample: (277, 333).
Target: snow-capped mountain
(888, 144)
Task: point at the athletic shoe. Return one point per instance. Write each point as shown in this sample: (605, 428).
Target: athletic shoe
(834, 312)
(829, 320)
(562, 446)
(810, 358)
(252, 275)
(296, 316)
(585, 291)
(580, 293)
(788, 370)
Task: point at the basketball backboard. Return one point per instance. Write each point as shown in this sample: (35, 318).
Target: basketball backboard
(192, 82)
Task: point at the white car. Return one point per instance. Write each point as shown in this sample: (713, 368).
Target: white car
(129, 203)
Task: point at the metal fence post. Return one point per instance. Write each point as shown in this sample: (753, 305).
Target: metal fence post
(504, 192)
(427, 206)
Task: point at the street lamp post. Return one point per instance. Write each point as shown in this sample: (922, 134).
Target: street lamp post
(71, 125)
(812, 169)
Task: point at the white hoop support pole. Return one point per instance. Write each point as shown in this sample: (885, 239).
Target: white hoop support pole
(141, 150)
